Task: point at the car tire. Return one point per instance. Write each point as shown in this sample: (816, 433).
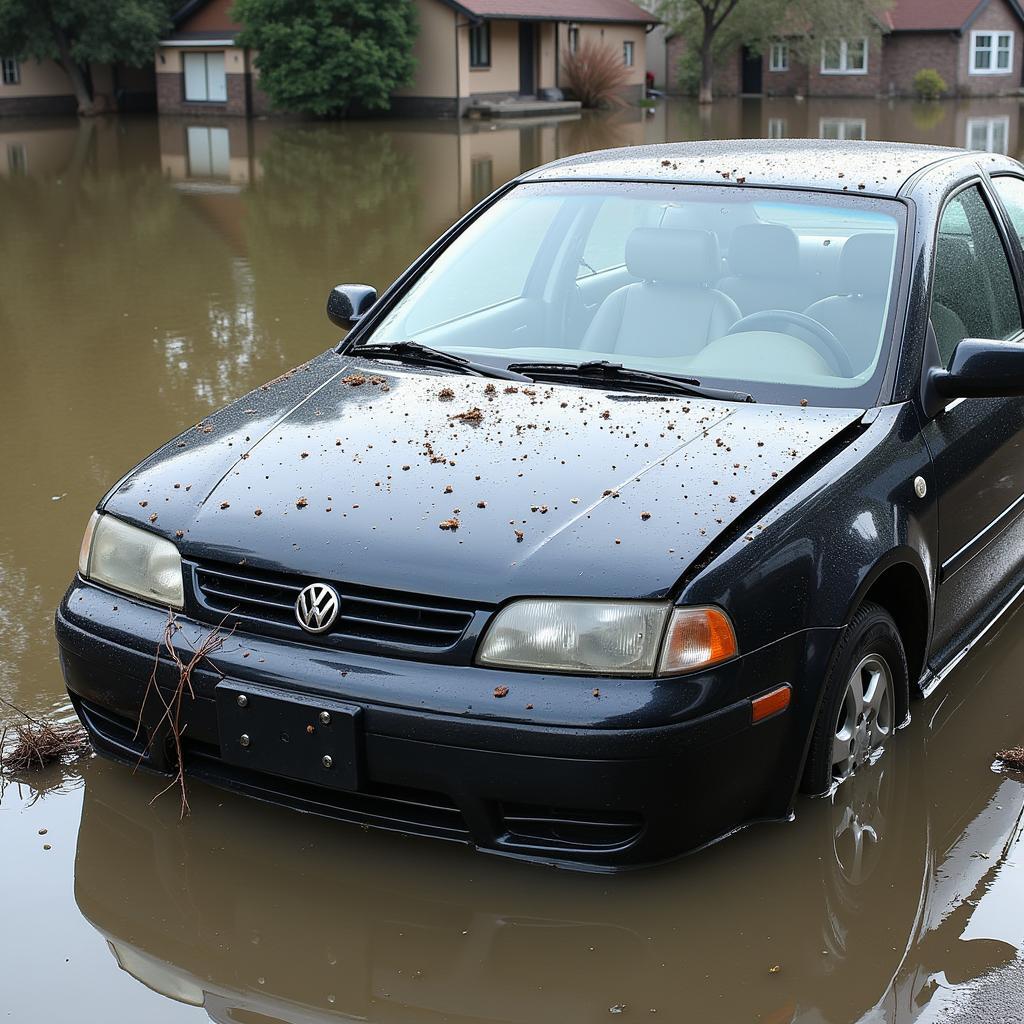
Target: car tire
(866, 696)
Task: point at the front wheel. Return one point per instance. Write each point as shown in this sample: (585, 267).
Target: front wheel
(866, 690)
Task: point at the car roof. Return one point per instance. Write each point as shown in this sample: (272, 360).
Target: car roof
(877, 168)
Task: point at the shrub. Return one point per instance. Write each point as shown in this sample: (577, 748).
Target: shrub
(595, 74)
(929, 84)
(330, 58)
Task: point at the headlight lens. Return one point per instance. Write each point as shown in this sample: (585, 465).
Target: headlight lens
(133, 560)
(609, 638)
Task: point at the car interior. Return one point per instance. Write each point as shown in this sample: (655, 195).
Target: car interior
(795, 293)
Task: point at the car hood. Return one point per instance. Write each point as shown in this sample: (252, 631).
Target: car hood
(468, 488)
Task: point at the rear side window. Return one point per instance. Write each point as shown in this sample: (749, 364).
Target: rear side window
(1011, 191)
(972, 289)
(616, 219)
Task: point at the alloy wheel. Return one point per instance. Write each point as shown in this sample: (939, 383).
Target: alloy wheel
(865, 719)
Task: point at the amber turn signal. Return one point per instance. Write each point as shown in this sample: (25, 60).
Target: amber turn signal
(770, 703)
(697, 638)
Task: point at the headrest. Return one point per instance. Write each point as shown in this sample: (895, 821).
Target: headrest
(865, 264)
(764, 250)
(673, 255)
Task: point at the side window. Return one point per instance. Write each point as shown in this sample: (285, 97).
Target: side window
(972, 287)
(606, 244)
(1011, 191)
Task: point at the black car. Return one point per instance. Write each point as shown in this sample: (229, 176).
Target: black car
(647, 497)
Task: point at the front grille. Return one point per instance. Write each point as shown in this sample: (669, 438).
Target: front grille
(367, 614)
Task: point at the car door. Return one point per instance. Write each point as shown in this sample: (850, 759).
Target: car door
(975, 443)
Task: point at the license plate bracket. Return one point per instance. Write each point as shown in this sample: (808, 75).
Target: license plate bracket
(295, 735)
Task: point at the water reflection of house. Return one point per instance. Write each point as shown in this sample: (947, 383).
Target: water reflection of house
(211, 151)
(976, 45)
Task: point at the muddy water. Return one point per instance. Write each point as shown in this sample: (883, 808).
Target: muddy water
(154, 270)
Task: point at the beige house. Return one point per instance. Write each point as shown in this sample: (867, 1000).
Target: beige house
(472, 51)
(42, 87)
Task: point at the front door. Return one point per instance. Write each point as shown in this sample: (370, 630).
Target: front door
(976, 444)
(752, 83)
(527, 55)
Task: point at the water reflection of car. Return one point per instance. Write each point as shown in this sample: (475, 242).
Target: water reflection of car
(865, 904)
(654, 489)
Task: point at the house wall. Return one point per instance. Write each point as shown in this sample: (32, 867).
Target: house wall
(433, 86)
(547, 53)
(906, 53)
(614, 35)
(726, 78)
(656, 46)
(869, 84)
(212, 17)
(502, 77)
(170, 82)
(996, 15)
(43, 89)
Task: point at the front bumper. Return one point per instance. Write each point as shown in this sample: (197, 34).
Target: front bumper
(640, 772)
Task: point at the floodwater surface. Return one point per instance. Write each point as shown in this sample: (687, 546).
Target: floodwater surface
(154, 270)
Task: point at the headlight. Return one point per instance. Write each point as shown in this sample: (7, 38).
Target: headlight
(609, 638)
(133, 560)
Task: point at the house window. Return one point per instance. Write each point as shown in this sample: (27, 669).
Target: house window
(480, 45)
(574, 38)
(627, 53)
(778, 57)
(843, 129)
(209, 152)
(991, 134)
(777, 128)
(844, 57)
(991, 53)
(205, 80)
(10, 70)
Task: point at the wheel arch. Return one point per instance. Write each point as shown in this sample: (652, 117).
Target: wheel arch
(898, 583)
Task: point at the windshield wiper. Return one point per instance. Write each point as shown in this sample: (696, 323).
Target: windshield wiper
(602, 371)
(421, 355)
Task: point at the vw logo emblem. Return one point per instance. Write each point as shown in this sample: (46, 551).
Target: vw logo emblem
(317, 607)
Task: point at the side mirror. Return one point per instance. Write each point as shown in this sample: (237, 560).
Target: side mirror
(981, 368)
(348, 302)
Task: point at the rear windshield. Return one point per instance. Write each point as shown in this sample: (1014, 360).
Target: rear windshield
(788, 295)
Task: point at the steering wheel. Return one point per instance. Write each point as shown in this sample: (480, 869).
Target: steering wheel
(822, 340)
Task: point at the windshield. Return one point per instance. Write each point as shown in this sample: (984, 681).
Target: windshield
(783, 294)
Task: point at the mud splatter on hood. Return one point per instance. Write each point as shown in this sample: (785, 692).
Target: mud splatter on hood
(465, 487)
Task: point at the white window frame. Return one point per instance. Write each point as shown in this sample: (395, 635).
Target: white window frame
(778, 56)
(844, 57)
(573, 38)
(777, 128)
(10, 71)
(628, 53)
(993, 50)
(990, 124)
(206, 55)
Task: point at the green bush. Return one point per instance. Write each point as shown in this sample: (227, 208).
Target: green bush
(929, 84)
(330, 58)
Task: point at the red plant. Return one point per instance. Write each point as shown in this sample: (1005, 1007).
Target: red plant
(595, 74)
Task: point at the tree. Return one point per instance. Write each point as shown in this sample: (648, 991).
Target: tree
(330, 57)
(77, 33)
(722, 25)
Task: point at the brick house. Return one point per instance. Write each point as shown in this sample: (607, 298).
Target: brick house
(976, 45)
(200, 69)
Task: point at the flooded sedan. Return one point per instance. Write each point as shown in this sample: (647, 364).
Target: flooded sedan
(191, 284)
(531, 560)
